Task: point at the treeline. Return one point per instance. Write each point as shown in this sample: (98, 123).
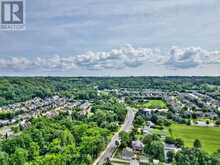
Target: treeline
(17, 89)
(22, 89)
(195, 156)
(163, 83)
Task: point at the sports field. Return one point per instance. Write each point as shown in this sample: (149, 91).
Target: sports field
(209, 137)
(153, 104)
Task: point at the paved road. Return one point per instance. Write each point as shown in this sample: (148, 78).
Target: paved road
(111, 147)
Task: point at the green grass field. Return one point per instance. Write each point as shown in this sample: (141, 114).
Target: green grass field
(209, 137)
(153, 104)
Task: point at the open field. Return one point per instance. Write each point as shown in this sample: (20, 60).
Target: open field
(209, 137)
(153, 104)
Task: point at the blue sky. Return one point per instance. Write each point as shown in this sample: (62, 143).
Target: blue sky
(112, 38)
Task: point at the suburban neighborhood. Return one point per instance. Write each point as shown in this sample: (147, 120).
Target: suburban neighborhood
(145, 126)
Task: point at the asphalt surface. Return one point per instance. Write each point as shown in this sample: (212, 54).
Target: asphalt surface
(111, 147)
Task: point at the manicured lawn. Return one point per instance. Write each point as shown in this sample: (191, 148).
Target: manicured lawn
(153, 104)
(209, 137)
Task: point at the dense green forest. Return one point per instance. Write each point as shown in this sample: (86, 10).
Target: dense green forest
(51, 141)
(74, 139)
(15, 89)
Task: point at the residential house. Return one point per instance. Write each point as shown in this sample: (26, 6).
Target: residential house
(137, 145)
(85, 107)
(170, 147)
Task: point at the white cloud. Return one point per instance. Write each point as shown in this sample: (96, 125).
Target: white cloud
(15, 63)
(191, 57)
(127, 56)
(124, 57)
(55, 62)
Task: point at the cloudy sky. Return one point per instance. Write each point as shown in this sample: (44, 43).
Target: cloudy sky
(114, 38)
